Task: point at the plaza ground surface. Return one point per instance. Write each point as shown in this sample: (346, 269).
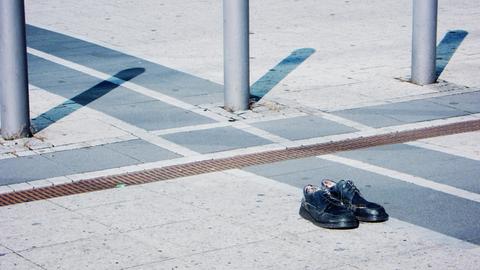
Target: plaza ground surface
(119, 87)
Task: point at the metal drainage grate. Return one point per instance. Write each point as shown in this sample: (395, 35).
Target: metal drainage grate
(199, 167)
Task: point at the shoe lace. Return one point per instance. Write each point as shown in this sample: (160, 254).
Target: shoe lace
(351, 187)
(330, 199)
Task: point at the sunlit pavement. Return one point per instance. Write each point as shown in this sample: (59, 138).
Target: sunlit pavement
(118, 87)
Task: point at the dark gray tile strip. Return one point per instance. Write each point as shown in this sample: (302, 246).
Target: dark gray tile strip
(303, 127)
(181, 85)
(108, 156)
(440, 167)
(116, 101)
(216, 139)
(444, 213)
(414, 111)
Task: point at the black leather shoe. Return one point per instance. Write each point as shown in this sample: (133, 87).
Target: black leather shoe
(322, 209)
(350, 196)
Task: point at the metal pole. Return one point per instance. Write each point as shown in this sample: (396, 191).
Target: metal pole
(236, 54)
(13, 71)
(424, 41)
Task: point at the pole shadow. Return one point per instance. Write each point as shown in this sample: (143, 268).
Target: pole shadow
(88, 96)
(266, 83)
(447, 47)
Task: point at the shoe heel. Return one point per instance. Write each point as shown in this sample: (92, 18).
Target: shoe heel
(304, 214)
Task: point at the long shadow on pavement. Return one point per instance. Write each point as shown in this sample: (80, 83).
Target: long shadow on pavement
(447, 47)
(266, 83)
(99, 90)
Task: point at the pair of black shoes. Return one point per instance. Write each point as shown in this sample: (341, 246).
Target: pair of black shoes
(339, 206)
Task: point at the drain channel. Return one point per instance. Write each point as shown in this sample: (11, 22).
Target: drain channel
(236, 162)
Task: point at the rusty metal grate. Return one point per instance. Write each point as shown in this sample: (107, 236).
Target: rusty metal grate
(199, 167)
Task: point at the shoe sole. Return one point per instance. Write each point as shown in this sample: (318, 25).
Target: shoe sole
(373, 219)
(337, 225)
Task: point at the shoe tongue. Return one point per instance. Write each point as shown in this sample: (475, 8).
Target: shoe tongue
(342, 187)
(332, 188)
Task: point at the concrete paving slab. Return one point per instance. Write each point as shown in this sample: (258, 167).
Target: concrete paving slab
(140, 214)
(469, 102)
(395, 241)
(156, 77)
(66, 131)
(401, 150)
(114, 251)
(465, 143)
(60, 80)
(202, 100)
(4, 251)
(73, 49)
(270, 254)
(89, 159)
(118, 96)
(210, 234)
(39, 66)
(17, 170)
(442, 168)
(272, 213)
(42, 101)
(197, 191)
(443, 257)
(164, 264)
(64, 82)
(67, 162)
(463, 178)
(402, 112)
(30, 210)
(118, 102)
(224, 138)
(286, 167)
(358, 94)
(46, 229)
(369, 116)
(422, 110)
(141, 151)
(155, 115)
(17, 262)
(175, 83)
(305, 127)
(103, 197)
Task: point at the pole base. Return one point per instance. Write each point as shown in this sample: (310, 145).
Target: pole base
(23, 133)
